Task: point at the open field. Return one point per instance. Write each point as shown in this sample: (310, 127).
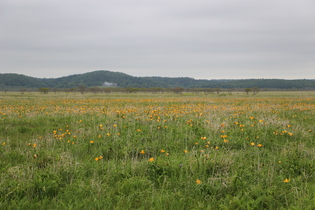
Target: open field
(161, 151)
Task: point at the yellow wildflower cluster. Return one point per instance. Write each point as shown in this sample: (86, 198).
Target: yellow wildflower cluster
(98, 158)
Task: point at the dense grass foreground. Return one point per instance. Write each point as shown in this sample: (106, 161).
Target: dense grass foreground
(155, 152)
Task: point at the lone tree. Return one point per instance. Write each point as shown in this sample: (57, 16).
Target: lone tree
(255, 90)
(43, 90)
(247, 90)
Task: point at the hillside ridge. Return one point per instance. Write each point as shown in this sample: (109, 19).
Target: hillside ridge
(98, 77)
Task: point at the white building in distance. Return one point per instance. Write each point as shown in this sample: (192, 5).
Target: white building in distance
(108, 84)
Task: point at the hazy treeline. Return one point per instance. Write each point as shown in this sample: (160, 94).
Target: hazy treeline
(108, 90)
(97, 78)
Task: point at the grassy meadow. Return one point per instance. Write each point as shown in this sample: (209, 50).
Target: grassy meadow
(157, 151)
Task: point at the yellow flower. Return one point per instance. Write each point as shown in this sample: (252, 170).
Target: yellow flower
(260, 145)
(286, 180)
(96, 159)
(167, 154)
(253, 144)
(198, 181)
(142, 152)
(185, 151)
(226, 141)
(162, 151)
(100, 157)
(151, 159)
(91, 142)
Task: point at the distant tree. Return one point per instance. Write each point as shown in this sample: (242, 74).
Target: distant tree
(43, 90)
(247, 90)
(208, 90)
(70, 90)
(95, 90)
(107, 90)
(152, 90)
(230, 90)
(177, 90)
(82, 89)
(159, 89)
(131, 89)
(255, 90)
(198, 90)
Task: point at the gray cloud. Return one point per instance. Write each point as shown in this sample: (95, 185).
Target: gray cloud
(200, 39)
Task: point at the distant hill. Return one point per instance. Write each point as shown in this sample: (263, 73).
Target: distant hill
(19, 80)
(97, 78)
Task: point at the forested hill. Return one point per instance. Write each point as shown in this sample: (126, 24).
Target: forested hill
(97, 78)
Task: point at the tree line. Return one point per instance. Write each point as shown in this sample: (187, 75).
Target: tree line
(177, 90)
(97, 78)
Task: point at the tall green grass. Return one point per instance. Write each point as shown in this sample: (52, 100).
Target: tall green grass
(157, 151)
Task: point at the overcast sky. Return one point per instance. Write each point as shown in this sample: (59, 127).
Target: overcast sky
(202, 39)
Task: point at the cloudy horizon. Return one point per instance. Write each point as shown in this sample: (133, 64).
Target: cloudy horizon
(200, 39)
